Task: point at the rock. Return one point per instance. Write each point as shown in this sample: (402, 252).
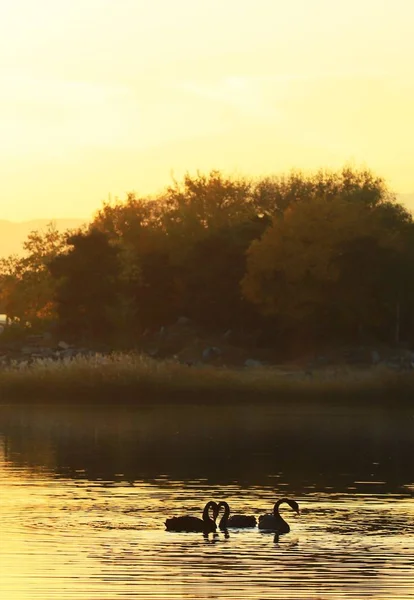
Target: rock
(69, 353)
(393, 364)
(153, 352)
(63, 345)
(34, 339)
(211, 352)
(357, 356)
(252, 363)
(192, 363)
(27, 350)
(183, 322)
(43, 353)
(375, 357)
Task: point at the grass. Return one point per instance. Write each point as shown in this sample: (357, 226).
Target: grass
(137, 379)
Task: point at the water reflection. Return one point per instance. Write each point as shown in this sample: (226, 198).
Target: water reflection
(85, 495)
(365, 450)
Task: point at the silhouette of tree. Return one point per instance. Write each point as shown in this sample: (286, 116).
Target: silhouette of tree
(87, 286)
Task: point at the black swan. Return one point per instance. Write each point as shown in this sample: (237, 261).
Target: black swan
(235, 520)
(206, 524)
(274, 522)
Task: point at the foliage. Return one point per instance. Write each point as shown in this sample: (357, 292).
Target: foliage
(331, 260)
(86, 286)
(26, 287)
(184, 253)
(210, 222)
(273, 195)
(145, 279)
(324, 255)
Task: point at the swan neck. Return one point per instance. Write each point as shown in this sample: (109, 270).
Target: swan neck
(224, 518)
(276, 506)
(206, 516)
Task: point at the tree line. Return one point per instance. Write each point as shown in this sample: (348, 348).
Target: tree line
(299, 259)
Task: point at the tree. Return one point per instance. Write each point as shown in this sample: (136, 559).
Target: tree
(212, 273)
(326, 262)
(273, 195)
(163, 244)
(87, 286)
(26, 287)
(146, 278)
(210, 221)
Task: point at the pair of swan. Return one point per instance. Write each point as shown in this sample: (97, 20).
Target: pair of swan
(270, 522)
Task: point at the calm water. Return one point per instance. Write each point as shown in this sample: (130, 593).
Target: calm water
(84, 496)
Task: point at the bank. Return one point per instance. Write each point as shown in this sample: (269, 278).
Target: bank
(133, 378)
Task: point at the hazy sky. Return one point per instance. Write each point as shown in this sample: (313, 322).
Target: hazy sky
(102, 97)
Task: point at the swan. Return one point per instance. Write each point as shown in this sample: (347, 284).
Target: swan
(274, 522)
(187, 523)
(234, 520)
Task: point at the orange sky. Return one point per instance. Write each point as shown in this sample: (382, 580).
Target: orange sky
(106, 96)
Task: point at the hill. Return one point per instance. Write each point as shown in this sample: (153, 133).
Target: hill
(12, 234)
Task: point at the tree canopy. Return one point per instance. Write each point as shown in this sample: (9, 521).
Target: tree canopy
(329, 252)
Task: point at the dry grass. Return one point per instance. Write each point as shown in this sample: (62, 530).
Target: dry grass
(139, 379)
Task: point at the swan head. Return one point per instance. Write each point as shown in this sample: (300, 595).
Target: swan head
(294, 505)
(223, 504)
(215, 509)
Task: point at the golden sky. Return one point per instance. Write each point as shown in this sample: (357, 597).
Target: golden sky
(103, 97)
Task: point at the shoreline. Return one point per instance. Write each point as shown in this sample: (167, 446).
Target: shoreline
(134, 379)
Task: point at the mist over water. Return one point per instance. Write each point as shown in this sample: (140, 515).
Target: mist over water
(85, 493)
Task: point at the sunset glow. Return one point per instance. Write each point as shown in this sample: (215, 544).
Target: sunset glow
(101, 97)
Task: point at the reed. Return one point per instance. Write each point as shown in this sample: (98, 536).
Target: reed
(133, 378)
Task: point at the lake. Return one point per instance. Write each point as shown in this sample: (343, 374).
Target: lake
(84, 494)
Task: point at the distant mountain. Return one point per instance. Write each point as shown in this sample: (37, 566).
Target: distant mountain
(12, 235)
